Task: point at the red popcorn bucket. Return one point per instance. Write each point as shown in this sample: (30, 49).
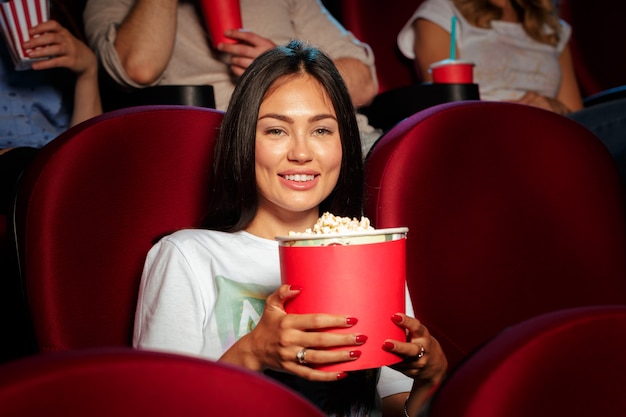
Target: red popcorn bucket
(358, 274)
(16, 18)
(452, 71)
(220, 16)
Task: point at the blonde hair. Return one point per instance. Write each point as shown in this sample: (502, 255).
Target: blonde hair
(534, 15)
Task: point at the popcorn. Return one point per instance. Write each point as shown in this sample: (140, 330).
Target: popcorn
(330, 224)
(16, 18)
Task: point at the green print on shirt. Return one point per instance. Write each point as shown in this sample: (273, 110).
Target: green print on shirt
(238, 308)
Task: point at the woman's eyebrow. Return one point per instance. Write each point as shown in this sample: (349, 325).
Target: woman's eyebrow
(322, 117)
(277, 116)
(288, 119)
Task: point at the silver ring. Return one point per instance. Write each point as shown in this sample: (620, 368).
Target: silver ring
(300, 356)
(421, 353)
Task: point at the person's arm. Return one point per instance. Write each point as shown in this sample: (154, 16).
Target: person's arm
(145, 39)
(356, 74)
(87, 103)
(569, 93)
(358, 79)
(432, 44)
(171, 303)
(50, 39)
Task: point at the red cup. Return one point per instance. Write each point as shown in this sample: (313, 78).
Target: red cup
(220, 16)
(452, 71)
(16, 18)
(357, 274)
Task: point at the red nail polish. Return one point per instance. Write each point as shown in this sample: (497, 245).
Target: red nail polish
(295, 288)
(388, 346)
(361, 338)
(355, 354)
(397, 318)
(351, 321)
(342, 375)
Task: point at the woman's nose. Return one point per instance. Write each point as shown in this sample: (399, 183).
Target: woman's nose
(300, 149)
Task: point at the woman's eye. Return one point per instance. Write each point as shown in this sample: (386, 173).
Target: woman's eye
(274, 132)
(322, 131)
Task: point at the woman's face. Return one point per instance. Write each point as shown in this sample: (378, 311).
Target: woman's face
(298, 148)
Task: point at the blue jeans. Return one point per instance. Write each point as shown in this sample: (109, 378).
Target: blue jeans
(608, 122)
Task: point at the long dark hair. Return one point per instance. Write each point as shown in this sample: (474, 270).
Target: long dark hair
(234, 200)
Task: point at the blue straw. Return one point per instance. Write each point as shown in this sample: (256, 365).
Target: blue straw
(453, 39)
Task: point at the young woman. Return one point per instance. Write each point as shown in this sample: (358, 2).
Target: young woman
(288, 150)
(519, 48)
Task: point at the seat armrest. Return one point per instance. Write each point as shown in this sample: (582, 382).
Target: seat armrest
(390, 107)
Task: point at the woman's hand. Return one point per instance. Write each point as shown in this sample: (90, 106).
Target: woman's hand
(50, 39)
(537, 100)
(277, 340)
(245, 51)
(423, 359)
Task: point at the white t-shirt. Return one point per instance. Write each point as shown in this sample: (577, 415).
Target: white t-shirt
(201, 290)
(507, 61)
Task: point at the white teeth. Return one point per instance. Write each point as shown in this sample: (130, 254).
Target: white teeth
(299, 177)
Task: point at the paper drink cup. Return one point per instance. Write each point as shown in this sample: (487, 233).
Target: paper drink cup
(358, 274)
(16, 18)
(452, 71)
(221, 15)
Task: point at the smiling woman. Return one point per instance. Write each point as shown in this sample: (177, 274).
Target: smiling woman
(236, 160)
(288, 150)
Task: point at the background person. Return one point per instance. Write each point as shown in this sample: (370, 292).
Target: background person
(520, 49)
(522, 54)
(39, 104)
(165, 42)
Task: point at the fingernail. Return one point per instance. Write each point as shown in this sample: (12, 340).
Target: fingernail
(295, 288)
(355, 354)
(397, 318)
(388, 346)
(361, 338)
(351, 321)
(342, 375)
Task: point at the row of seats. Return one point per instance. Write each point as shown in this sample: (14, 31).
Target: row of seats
(123, 382)
(533, 368)
(516, 222)
(503, 225)
(569, 362)
(564, 363)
